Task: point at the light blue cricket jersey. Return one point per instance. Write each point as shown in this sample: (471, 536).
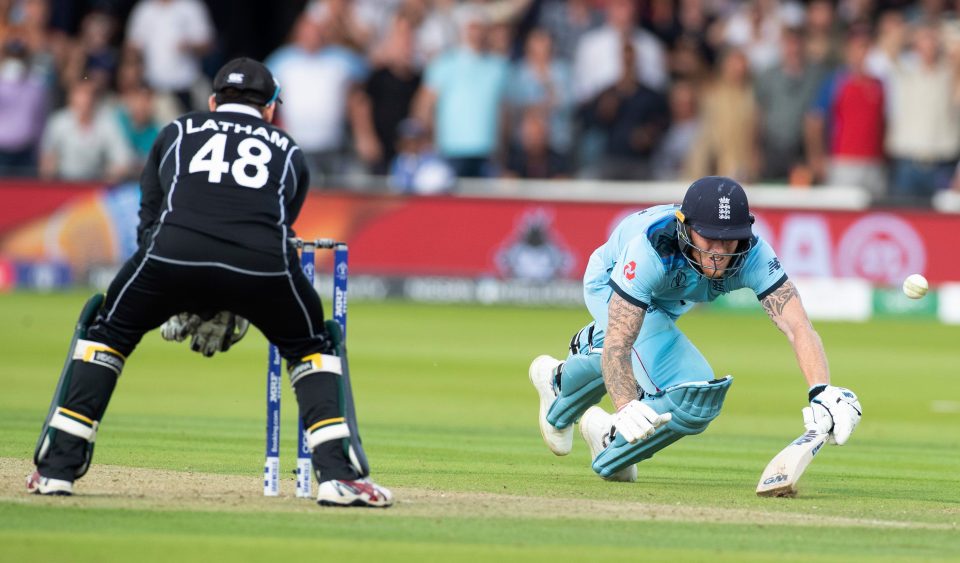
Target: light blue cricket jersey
(642, 262)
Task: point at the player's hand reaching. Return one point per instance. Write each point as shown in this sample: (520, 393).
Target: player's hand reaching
(832, 409)
(636, 421)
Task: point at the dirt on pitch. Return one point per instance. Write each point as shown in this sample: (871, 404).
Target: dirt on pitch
(115, 487)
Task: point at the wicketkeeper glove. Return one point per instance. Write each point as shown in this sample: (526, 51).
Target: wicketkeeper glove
(636, 421)
(179, 327)
(216, 334)
(832, 409)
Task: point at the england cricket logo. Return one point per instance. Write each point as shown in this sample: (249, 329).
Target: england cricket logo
(724, 210)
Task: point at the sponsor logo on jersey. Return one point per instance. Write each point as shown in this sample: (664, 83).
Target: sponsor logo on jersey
(630, 270)
(773, 265)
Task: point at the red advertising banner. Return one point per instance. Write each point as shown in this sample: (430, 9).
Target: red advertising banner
(473, 237)
(545, 240)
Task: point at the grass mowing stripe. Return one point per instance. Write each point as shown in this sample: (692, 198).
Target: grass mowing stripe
(554, 535)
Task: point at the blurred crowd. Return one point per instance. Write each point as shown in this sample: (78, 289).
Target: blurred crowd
(419, 93)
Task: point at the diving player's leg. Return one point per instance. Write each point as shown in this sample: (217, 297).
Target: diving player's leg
(565, 389)
(682, 384)
(107, 332)
(290, 314)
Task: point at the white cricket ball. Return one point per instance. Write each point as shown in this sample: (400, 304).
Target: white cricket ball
(915, 286)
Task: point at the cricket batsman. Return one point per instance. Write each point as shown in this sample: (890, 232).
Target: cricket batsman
(656, 264)
(220, 192)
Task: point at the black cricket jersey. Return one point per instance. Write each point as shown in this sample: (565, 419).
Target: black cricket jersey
(222, 188)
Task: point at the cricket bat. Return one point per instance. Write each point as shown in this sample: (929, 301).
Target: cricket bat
(782, 474)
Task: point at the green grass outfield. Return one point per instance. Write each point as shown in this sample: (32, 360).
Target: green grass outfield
(449, 421)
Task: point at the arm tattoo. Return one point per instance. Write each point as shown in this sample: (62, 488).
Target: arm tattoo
(623, 327)
(774, 303)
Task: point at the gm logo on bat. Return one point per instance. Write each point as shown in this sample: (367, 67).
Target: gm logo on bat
(808, 437)
(778, 478)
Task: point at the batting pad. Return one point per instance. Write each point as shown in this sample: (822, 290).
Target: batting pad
(693, 406)
(581, 387)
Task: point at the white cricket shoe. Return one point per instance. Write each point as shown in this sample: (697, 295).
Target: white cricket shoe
(560, 441)
(595, 427)
(362, 492)
(39, 485)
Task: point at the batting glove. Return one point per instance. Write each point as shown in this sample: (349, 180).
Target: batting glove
(832, 409)
(636, 421)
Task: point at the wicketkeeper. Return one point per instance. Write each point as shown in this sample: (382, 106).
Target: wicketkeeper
(220, 192)
(654, 267)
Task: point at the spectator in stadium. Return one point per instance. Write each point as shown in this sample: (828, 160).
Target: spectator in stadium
(844, 127)
(84, 142)
(530, 154)
(754, 28)
(172, 35)
(599, 55)
(23, 110)
(662, 19)
(823, 33)
(348, 23)
(727, 144)
(440, 31)
(47, 49)
(784, 93)
(462, 96)
(669, 159)
(923, 136)
(136, 117)
(417, 168)
(321, 79)
(699, 28)
(567, 21)
(386, 97)
(888, 47)
(130, 77)
(632, 117)
(541, 81)
(93, 56)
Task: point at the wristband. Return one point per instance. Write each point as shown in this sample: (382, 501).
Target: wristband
(815, 390)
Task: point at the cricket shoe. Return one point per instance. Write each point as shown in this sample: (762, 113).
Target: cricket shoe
(596, 427)
(43, 486)
(542, 373)
(362, 492)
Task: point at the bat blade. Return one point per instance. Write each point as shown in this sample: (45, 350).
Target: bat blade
(783, 473)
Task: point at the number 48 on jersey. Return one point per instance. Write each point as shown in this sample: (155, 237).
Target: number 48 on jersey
(253, 156)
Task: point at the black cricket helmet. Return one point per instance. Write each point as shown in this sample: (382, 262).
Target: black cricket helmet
(716, 208)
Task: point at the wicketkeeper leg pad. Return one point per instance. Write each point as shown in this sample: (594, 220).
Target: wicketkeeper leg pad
(318, 385)
(693, 405)
(65, 448)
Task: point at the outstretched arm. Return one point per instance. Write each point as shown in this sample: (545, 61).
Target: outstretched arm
(633, 420)
(623, 326)
(832, 409)
(786, 311)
